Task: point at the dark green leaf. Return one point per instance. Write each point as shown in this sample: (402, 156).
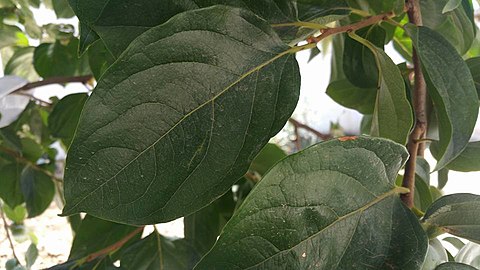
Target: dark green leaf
(451, 5)
(56, 59)
(423, 197)
(63, 120)
(467, 161)
(268, 157)
(442, 178)
(377, 7)
(118, 24)
(359, 63)
(474, 66)
(99, 58)
(31, 255)
(10, 192)
(311, 9)
(62, 9)
(350, 96)
(31, 150)
(95, 234)
(38, 191)
(436, 255)
(313, 53)
(454, 266)
(457, 214)
(326, 207)
(87, 37)
(158, 252)
(392, 117)
(452, 84)
(164, 137)
(21, 64)
(337, 72)
(456, 26)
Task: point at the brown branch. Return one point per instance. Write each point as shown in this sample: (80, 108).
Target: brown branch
(25, 161)
(416, 144)
(352, 27)
(113, 247)
(8, 236)
(56, 80)
(317, 133)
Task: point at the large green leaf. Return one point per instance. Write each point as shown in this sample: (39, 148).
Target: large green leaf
(179, 117)
(64, 117)
(457, 214)
(118, 23)
(158, 252)
(95, 234)
(392, 117)
(453, 91)
(456, 26)
(455, 266)
(348, 95)
(332, 206)
(467, 161)
(474, 66)
(57, 59)
(38, 190)
(62, 9)
(10, 190)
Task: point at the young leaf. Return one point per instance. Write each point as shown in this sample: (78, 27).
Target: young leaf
(346, 94)
(118, 24)
(64, 117)
(331, 206)
(454, 266)
(38, 190)
(392, 117)
(95, 234)
(452, 91)
(456, 214)
(31, 255)
(179, 117)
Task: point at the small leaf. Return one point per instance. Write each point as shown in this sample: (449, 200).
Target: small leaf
(31, 255)
(64, 117)
(452, 85)
(38, 191)
(95, 234)
(268, 156)
(436, 255)
(451, 5)
(454, 266)
(314, 52)
(17, 214)
(350, 96)
(469, 254)
(342, 203)
(161, 138)
(158, 252)
(392, 117)
(10, 192)
(457, 214)
(57, 59)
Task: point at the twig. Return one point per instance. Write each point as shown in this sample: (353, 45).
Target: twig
(416, 144)
(55, 80)
(352, 27)
(8, 236)
(317, 133)
(113, 247)
(25, 161)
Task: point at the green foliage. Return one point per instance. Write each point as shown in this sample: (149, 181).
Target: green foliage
(187, 95)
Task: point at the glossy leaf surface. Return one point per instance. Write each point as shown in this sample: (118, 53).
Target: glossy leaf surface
(331, 206)
(453, 91)
(146, 144)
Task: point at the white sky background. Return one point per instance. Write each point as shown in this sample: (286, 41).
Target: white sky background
(315, 107)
